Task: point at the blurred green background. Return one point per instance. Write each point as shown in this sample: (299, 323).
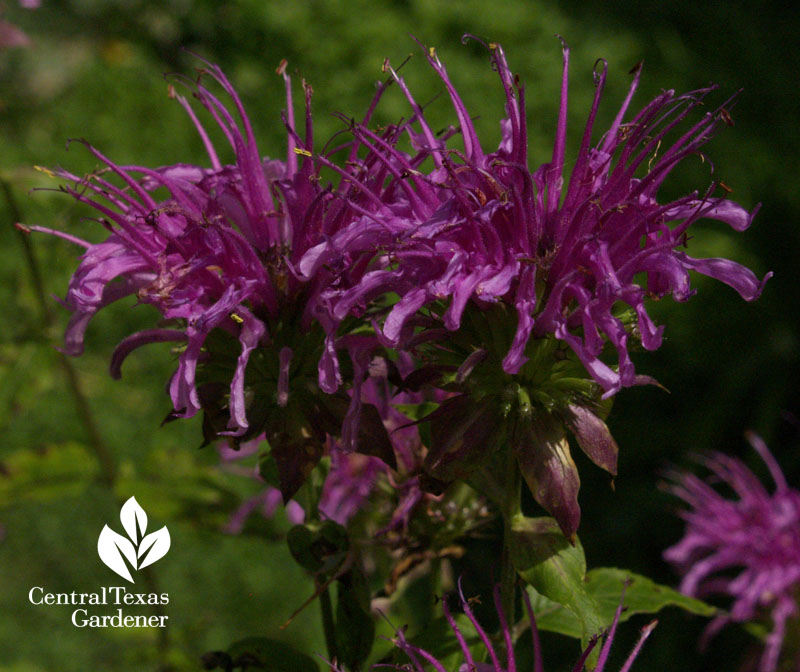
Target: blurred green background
(94, 69)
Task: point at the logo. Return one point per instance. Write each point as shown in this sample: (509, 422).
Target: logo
(137, 550)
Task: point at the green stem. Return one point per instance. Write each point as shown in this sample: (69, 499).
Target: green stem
(508, 574)
(328, 625)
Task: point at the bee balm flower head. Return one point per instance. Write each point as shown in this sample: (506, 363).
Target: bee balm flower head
(526, 289)
(746, 548)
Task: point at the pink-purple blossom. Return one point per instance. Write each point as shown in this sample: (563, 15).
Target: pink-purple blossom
(746, 547)
(217, 257)
(563, 246)
(215, 254)
(525, 290)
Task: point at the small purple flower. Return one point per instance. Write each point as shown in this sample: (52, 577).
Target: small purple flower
(757, 533)
(265, 502)
(421, 659)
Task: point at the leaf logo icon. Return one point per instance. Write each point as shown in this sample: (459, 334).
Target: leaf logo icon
(137, 550)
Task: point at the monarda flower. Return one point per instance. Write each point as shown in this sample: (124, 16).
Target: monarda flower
(217, 258)
(421, 660)
(746, 548)
(518, 288)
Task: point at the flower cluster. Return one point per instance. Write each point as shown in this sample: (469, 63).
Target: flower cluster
(210, 255)
(757, 533)
(217, 257)
(562, 252)
(438, 310)
(506, 286)
(512, 285)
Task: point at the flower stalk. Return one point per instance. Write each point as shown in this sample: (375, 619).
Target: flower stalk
(511, 509)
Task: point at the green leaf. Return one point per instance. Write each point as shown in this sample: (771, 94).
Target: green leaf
(604, 585)
(545, 559)
(554, 617)
(300, 540)
(417, 411)
(642, 596)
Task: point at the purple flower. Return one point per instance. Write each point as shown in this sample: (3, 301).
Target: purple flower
(562, 252)
(756, 533)
(265, 502)
(515, 285)
(421, 659)
(215, 254)
(218, 258)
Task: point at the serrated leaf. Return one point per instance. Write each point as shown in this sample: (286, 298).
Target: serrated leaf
(111, 547)
(604, 585)
(643, 596)
(158, 543)
(554, 617)
(543, 556)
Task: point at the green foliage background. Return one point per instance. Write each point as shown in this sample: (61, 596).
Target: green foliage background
(94, 70)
